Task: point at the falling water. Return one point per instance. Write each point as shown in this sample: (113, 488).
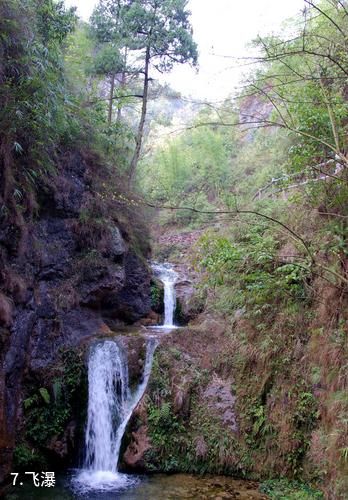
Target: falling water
(108, 394)
(168, 276)
(110, 406)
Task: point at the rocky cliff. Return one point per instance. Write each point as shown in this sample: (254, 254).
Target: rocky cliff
(73, 269)
(253, 393)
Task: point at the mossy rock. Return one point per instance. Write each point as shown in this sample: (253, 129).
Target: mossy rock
(26, 457)
(54, 411)
(180, 318)
(290, 490)
(157, 296)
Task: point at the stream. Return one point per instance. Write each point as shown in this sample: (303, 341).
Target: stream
(110, 406)
(111, 402)
(151, 487)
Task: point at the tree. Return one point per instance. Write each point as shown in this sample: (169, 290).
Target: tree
(161, 29)
(158, 35)
(108, 27)
(108, 62)
(304, 78)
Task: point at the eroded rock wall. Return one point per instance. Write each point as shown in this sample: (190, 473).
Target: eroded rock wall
(68, 278)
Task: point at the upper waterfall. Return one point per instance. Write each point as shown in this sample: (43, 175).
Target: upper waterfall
(168, 276)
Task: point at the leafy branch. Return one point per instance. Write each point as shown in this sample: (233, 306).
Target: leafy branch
(237, 211)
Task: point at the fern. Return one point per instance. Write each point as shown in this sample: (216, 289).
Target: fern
(45, 395)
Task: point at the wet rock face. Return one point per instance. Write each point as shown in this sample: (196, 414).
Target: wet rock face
(184, 291)
(187, 304)
(49, 336)
(99, 286)
(135, 347)
(63, 446)
(65, 194)
(68, 290)
(137, 441)
(54, 245)
(133, 301)
(116, 246)
(140, 444)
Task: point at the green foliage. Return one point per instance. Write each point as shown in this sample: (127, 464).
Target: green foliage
(344, 454)
(175, 436)
(107, 61)
(247, 270)
(132, 37)
(314, 119)
(261, 283)
(305, 417)
(78, 58)
(179, 315)
(164, 28)
(306, 413)
(45, 395)
(25, 457)
(293, 277)
(166, 429)
(28, 402)
(163, 422)
(304, 85)
(34, 114)
(282, 489)
(219, 257)
(157, 293)
(46, 416)
(111, 33)
(190, 170)
(45, 423)
(259, 419)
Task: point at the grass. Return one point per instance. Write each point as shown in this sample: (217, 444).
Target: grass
(282, 489)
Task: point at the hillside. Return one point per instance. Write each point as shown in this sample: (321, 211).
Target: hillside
(173, 273)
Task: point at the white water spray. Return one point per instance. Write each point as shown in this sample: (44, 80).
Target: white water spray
(168, 276)
(110, 406)
(107, 396)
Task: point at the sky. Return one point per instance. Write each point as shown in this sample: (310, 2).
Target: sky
(222, 30)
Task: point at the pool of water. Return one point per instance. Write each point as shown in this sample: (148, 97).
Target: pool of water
(155, 487)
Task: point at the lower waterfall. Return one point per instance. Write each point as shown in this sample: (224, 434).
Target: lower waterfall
(110, 406)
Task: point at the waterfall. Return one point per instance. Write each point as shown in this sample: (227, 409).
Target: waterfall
(168, 276)
(108, 394)
(110, 406)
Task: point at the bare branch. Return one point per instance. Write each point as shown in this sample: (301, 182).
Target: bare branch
(323, 13)
(89, 103)
(236, 212)
(331, 116)
(290, 231)
(271, 100)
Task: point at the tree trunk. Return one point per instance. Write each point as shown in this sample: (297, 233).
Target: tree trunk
(140, 133)
(112, 87)
(122, 86)
(119, 105)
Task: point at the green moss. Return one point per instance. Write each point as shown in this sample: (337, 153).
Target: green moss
(192, 438)
(179, 317)
(157, 296)
(48, 410)
(273, 415)
(282, 489)
(25, 457)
